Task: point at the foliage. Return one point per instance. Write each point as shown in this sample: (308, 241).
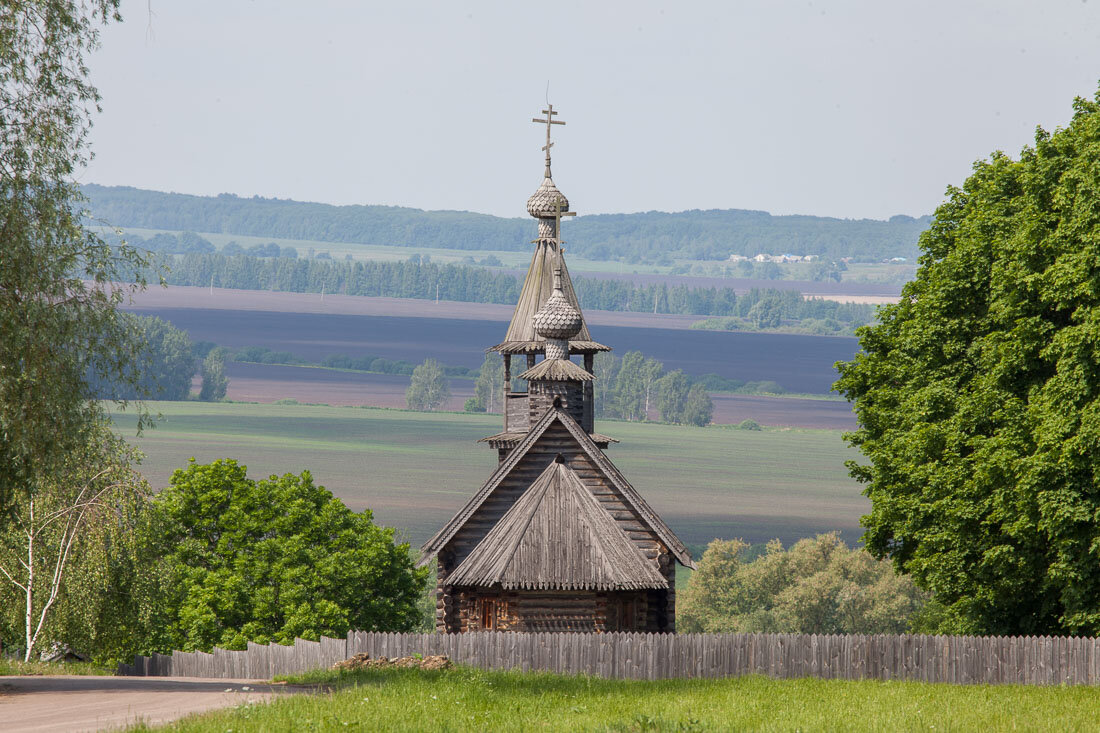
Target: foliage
(214, 381)
(418, 278)
(58, 281)
(16, 668)
(748, 424)
(464, 699)
(275, 559)
(643, 237)
(672, 392)
(165, 364)
(51, 549)
(977, 397)
(428, 388)
(819, 586)
(487, 388)
(698, 407)
(629, 390)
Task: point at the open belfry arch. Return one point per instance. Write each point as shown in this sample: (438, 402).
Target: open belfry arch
(556, 539)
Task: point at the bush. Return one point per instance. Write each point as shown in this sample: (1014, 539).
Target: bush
(818, 586)
(749, 424)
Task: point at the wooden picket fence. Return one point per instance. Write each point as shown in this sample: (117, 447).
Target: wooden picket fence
(959, 659)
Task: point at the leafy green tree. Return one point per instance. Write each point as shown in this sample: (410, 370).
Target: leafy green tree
(490, 381)
(275, 559)
(56, 527)
(821, 271)
(818, 586)
(214, 381)
(428, 388)
(605, 368)
(767, 313)
(978, 393)
(165, 363)
(698, 407)
(629, 387)
(58, 281)
(672, 392)
(649, 374)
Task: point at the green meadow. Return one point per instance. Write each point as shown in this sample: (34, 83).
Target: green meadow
(415, 469)
(473, 700)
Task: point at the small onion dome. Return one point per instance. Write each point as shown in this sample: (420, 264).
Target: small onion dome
(544, 202)
(557, 319)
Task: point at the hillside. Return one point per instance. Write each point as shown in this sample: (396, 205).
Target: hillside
(642, 237)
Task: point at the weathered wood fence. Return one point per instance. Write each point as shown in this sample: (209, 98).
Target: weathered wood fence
(959, 659)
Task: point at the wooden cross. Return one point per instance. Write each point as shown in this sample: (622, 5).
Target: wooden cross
(549, 112)
(558, 214)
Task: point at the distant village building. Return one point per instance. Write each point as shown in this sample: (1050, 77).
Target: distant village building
(557, 539)
(764, 257)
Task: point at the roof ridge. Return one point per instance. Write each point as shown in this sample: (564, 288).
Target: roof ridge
(630, 494)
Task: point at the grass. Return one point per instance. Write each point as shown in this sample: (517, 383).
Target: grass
(15, 667)
(416, 469)
(472, 700)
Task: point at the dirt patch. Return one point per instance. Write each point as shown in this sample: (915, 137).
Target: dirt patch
(364, 661)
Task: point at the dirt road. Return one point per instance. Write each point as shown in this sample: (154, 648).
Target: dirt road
(62, 704)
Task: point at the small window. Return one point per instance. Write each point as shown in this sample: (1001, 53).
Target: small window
(488, 614)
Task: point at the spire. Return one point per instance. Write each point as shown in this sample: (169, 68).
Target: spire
(547, 202)
(549, 206)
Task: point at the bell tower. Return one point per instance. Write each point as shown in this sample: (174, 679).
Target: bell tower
(547, 320)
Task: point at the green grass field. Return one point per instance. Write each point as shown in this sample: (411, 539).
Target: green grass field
(414, 469)
(472, 700)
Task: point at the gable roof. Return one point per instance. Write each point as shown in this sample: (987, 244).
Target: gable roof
(557, 536)
(537, 287)
(603, 463)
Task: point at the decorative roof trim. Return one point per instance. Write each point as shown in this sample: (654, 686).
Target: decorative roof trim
(557, 370)
(538, 347)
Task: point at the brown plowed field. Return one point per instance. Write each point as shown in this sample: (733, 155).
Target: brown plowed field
(271, 382)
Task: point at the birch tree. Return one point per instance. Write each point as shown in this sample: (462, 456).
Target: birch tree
(55, 520)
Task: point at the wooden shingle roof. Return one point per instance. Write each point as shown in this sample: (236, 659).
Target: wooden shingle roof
(557, 370)
(537, 287)
(557, 536)
(630, 495)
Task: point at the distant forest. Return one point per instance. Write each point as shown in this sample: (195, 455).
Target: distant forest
(420, 278)
(651, 237)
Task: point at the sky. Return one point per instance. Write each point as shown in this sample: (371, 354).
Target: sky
(847, 109)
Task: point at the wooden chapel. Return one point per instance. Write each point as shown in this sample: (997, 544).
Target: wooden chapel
(556, 539)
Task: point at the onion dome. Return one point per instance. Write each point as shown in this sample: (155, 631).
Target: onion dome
(557, 319)
(544, 202)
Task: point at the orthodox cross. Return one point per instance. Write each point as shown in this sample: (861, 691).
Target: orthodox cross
(558, 214)
(549, 112)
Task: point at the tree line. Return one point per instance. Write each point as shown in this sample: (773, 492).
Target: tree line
(627, 389)
(651, 237)
(418, 277)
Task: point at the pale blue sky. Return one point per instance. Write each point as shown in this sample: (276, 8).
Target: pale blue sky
(849, 109)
